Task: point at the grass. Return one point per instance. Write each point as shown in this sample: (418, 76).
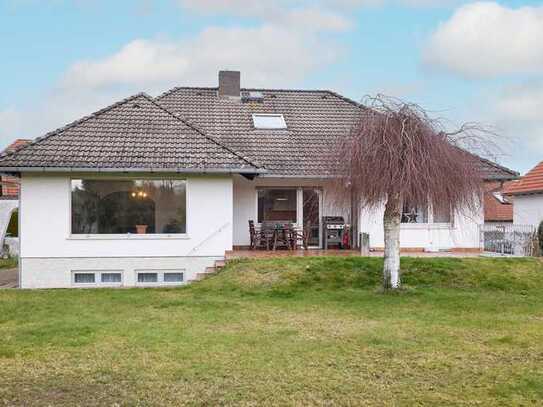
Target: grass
(298, 331)
(9, 263)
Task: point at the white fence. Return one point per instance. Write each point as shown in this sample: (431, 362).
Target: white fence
(508, 239)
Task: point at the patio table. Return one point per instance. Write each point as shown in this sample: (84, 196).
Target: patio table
(280, 232)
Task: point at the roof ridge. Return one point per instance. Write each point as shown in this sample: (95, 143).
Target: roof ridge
(501, 167)
(176, 88)
(346, 99)
(291, 90)
(202, 133)
(75, 123)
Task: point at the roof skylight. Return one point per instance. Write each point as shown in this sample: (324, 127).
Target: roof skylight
(269, 121)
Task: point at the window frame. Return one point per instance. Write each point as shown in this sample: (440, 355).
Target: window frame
(127, 236)
(430, 224)
(97, 278)
(112, 284)
(278, 115)
(160, 277)
(75, 272)
(299, 204)
(299, 201)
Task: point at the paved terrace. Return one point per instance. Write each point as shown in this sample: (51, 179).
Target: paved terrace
(239, 254)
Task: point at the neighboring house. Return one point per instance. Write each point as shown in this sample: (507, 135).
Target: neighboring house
(527, 197)
(151, 191)
(9, 186)
(9, 202)
(498, 207)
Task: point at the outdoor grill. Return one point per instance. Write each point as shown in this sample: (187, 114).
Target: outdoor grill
(333, 228)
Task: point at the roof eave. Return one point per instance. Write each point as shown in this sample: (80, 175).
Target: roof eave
(533, 192)
(501, 178)
(138, 170)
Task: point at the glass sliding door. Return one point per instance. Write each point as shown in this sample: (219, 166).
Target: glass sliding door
(312, 215)
(278, 205)
(297, 205)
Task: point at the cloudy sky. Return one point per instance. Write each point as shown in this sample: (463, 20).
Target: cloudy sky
(462, 60)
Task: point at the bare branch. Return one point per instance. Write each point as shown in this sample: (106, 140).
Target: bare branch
(395, 149)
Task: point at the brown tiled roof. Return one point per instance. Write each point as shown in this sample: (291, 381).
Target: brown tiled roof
(134, 134)
(315, 118)
(188, 129)
(530, 183)
(493, 171)
(495, 210)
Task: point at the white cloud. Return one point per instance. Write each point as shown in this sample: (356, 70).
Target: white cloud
(522, 102)
(139, 61)
(270, 9)
(237, 7)
(264, 54)
(518, 111)
(487, 39)
(515, 112)
(62, 107)
(277, 52)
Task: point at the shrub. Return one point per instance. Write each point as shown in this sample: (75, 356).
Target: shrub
(13, 227)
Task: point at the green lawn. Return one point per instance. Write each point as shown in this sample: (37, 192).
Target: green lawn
(300, 331)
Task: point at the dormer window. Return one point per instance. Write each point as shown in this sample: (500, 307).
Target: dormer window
(269, 121)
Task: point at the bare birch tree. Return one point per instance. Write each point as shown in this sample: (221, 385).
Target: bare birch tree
(395, 154)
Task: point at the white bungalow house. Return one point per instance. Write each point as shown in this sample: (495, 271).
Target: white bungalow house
(151, 191)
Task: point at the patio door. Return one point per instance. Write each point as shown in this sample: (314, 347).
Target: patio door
(311, 203)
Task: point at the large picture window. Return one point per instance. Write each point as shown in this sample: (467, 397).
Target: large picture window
(128, 206)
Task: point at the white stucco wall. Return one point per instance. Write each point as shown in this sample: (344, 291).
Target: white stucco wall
(45, 232)
(528, 209)
(463, 233)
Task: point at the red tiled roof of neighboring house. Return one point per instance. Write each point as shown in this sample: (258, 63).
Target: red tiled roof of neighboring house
(497, 208)
(10, 185)
(17, 144)
(530, 183)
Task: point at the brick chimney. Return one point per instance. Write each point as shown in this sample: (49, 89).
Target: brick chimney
(229, 84)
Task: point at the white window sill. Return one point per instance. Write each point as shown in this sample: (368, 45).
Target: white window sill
(160, 284)
(414, 226)
(130, 236)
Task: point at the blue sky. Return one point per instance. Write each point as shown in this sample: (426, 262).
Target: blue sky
(464, 61)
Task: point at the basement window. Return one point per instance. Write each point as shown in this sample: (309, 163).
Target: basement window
(111, 278)
(84, 278)
(173, 277)
(147, 277)
(269, 121)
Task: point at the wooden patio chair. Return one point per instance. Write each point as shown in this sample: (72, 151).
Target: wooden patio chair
(282, 236)
(259, 238)
(296, 236)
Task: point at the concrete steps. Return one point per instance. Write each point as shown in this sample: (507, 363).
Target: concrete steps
(209, 271)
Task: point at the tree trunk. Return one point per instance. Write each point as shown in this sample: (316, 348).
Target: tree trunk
(391, 222)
